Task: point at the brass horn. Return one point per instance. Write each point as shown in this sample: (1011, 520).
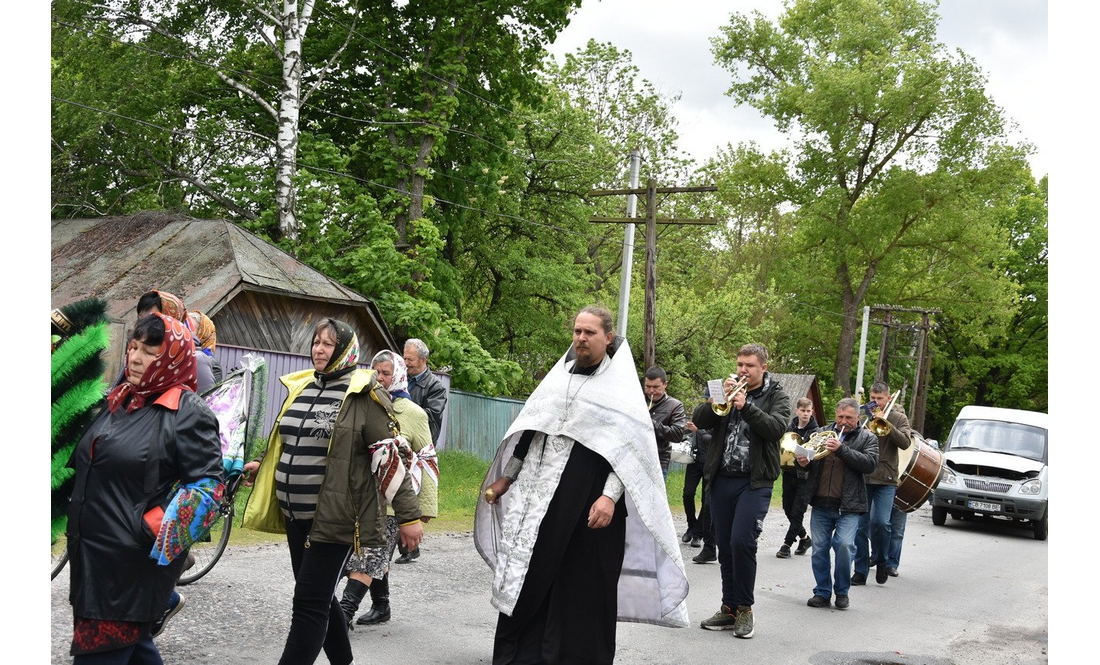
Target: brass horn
(787, 446)
(739, 384)
(878, 425)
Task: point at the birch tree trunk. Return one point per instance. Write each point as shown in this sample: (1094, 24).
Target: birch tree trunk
(294, 27)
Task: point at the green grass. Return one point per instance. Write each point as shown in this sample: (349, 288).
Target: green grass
(460, 482)
(460, 476)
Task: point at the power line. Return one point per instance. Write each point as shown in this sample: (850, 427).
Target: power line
(307, 105)
(320, 169)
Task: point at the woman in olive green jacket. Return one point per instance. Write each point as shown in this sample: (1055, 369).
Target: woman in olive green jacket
(315, 484)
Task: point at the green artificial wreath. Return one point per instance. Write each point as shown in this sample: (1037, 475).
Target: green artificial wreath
(76, 380)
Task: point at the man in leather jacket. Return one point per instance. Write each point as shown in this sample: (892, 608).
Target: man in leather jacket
(425, 387)
(838, 496)
(667, 414)
(742, 466)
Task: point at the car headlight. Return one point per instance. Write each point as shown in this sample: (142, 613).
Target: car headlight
(948, 477)
(1032, 487)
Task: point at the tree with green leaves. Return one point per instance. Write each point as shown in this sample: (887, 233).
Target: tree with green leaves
(512, 206)
(1008, 367)
(330, 145)
(897, 158)
(230, 41)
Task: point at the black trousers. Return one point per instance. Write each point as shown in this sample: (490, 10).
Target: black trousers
(794, 506)
(316, 621)
(698, 525)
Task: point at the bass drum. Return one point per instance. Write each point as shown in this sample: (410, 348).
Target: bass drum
(921, 469)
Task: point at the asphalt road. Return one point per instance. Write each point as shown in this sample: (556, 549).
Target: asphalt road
(967, 594)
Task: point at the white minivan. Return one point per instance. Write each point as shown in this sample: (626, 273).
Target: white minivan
(995, 465)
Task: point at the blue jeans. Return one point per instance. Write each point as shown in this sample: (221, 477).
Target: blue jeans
(835, 531)
(897, 534)
(874, 528)
(738, 513)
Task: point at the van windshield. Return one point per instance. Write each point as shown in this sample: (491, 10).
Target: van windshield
(999, 437)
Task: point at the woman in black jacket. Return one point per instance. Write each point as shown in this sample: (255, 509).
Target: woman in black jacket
(148, 476)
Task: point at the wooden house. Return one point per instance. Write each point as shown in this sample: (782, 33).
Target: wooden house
(261, 299)
(258, 296)
(804, 385)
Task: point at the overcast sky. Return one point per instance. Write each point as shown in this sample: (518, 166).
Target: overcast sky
(669, 41)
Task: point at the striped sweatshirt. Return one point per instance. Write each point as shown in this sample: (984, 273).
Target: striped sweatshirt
(305, 429)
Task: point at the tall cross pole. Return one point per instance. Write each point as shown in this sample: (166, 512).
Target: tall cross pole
(651, 191)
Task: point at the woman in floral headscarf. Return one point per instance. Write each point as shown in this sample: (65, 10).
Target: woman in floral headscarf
(315, 484)
(206, 339)
(172, 305)
(413, 420)
(148, 479)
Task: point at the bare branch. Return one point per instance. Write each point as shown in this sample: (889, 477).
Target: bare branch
(228, 80)
(228, 203)
(262, 11)
(327, 67)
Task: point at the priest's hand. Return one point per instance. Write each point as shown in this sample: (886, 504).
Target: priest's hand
(497, 489)
(601, 512)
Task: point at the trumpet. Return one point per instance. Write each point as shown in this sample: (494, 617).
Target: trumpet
(739, 384)
(816, 444)
(878, 425)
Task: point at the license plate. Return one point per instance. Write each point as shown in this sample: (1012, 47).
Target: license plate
(981, 505)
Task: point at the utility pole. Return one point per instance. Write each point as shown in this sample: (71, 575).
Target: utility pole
(882, 372)
(924, 370)
(923, 356)
(862, 355)
(651, 191)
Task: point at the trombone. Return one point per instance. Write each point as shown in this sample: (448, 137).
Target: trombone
(739, 384)
(878, 425)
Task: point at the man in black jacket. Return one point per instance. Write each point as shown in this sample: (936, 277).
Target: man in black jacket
(794, 505)
(838, 497)
(667, 414)
(425, 387)
(742, 465)
(430, 394)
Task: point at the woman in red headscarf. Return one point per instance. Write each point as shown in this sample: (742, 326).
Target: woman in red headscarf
(147, 482)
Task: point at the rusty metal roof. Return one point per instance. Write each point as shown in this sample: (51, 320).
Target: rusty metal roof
(204, 262)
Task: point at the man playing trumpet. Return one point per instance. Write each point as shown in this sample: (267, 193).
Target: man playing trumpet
(838, 497)
(875, 531)
(741, 467)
